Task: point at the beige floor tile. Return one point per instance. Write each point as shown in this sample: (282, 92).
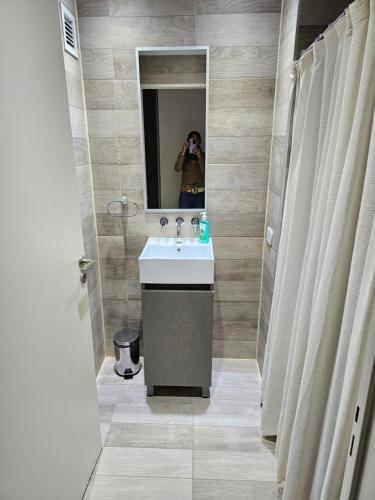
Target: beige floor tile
(145, 462)
(145, 488)
(234, 465)
(150, 412)
(221, 414)
(150, 436)
(233, 490)
(229, 439)
(234, 365)
(235, 379)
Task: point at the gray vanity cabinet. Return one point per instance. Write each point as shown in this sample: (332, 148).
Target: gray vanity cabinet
(177, 335)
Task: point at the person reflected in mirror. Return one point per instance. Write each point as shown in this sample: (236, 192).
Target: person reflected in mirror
(191, 162)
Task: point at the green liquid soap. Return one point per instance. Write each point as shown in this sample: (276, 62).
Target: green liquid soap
(204, 229)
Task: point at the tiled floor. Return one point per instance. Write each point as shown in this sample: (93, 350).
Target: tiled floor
(183, 447)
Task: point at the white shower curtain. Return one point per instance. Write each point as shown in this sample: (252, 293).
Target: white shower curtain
(317, 325)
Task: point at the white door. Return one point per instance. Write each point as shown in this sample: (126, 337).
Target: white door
(49, 425)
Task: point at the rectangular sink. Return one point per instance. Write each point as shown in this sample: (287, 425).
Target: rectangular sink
(177, 261)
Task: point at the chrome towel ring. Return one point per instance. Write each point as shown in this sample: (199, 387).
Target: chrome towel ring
(124, 202)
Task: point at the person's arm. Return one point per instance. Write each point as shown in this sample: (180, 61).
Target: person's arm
(201, 161)
(180, 159)
(179, 163)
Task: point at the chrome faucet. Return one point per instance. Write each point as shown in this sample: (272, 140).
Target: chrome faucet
(163, 224)
(179, 224)
(195, 224)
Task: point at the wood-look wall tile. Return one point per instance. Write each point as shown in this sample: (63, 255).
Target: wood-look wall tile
(239, 201)
(128, 123)
(81, 151)
(114, 290)
(238, 248)
(237, 6)
(243, 62)
(105, 196)
(134, 289)
(103, 149)
(235, 311)
(284, 87)
(77, 122)
(156, 65)
(235, 330)
(113, 269)
(237, 176)
(131, 177)
(242, 93)
(88, 227)
(101, 123)
(86, 204)
(129, 32)
(106, 176)
(238, 290)
(93, 7)
(237, 29)
(174, 78)
(115, 311)
(133, 8)
(239, 149)
(111, 247)
(126, 96)
(83, 178)
(241, 122)
(274, 208)
(269, 259)
(95, 33)
(134, 309)
(134, 246)
(238, 270)
(236, 225)
(97, 64)
(124, 63)
(99, 94)
(75, 92)
(279, 155)
(129, 150)
(132, 269)
(109, 226)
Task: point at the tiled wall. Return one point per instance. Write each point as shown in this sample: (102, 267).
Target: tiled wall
(243, 37)
(83, 175)
(279, 162)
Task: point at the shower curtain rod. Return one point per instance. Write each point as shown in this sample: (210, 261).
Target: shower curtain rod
(321, 35)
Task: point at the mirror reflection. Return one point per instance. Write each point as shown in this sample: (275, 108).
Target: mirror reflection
(174, 121)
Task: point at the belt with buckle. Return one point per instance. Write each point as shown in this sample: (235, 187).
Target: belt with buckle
(193, 190)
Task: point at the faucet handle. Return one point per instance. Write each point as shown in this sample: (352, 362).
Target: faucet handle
(163, 223)
(195, 224)
(179, 221)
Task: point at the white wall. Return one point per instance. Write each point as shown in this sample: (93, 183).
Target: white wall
(180, 111)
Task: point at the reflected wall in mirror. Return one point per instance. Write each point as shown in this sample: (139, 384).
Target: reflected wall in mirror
(173, 102)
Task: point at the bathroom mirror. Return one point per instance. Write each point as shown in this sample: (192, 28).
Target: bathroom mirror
(173, 102)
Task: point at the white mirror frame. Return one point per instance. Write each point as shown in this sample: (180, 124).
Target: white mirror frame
(170, 51)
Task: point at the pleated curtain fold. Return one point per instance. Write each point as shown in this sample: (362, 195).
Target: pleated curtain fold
(322, 292)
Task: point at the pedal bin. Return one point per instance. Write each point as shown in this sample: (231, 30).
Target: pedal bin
(126, 345)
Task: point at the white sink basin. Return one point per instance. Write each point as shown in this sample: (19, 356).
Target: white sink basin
(177, 261)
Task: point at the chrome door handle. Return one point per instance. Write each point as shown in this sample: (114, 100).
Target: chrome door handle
(84, 266)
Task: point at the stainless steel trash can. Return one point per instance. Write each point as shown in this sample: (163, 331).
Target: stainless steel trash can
(126, 345)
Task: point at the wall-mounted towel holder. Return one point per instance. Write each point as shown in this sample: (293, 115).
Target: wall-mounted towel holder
(124, 202)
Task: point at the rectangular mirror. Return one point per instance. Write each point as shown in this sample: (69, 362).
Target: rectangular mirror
(173, 102)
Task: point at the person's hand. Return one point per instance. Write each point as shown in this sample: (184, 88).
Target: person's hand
(185, 147)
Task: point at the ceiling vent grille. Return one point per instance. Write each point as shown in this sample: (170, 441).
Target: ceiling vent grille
(69, 31)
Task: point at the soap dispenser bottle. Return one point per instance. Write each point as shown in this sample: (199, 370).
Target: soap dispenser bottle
(204, 229)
